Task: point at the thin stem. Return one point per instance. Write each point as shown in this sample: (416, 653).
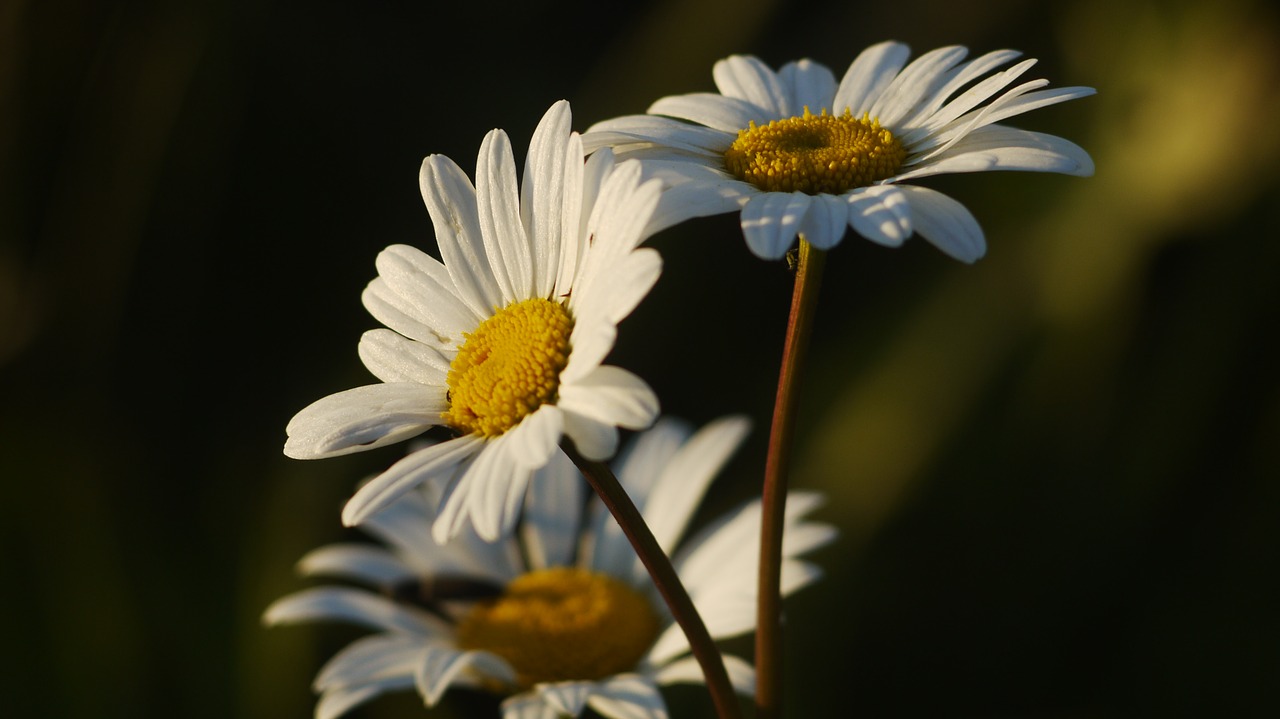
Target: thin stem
(804, 302)
(624, 511)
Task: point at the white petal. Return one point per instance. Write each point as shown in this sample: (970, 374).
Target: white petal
(355, 606)
(996, 147)
(592, 339)
(440, 665)
(425, 290)
(565, 697)
(968, 100)
(553, 513)
(451, 201)
(824, 225)
(386, 488)
(363, 418)
(527, 706)
(395, 312)
(713, 195)
(392, 357)
(571, 220)
(881, 214)
(919, 79)
(725, 114)
(613, 396)
(812, 85)
(369, 659)
(746, 78)
(592, 438)
(533, 440)
(956, 79)
(867, 76)
(487, 493)
(635, 131)
(619, 288)
(628, 696)
(687, 671)
(542, 194)
(771, 220)
(359, 562)
(498, 204)
(340, 700)
(945, 223)
(687, 475)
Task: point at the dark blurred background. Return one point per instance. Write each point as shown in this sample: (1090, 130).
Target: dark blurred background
(1056, 472)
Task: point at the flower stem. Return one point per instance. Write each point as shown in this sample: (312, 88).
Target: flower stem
(607, 487)
(804, 303)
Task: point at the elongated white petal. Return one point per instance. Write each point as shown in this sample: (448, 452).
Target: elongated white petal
(440, 666)
(634, 132)
(771, 220)
(995, 147)
(339, 700)
(945, 223)
(612, 395)
(968, 100)
(687, 475)
(392, 357)
(360, 562)
(726, 114)
(363, 418)
(811, 85)
(923, 76)
(956, 79)
(451, 201)
(868, 76)
(881, 214)
(542, 194)
(687, 671)
(498, 204)
(435, 461)
(425, 290)
(355, 606)
(370, 659)
(487, 494)
(746, 78)
(553, 513)
(628, 696)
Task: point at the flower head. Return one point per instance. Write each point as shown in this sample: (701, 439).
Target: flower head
(502, 343)
(801, 153)
(563, 615)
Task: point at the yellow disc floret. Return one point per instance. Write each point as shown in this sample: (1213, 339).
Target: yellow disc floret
(815, 154)
(563, 624)
(508, 367)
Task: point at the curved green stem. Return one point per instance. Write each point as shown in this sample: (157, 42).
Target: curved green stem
(804, 302)
(610, 491)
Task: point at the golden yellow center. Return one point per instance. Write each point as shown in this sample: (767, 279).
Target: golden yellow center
(508, 367)
(563, 624)
(815, 153)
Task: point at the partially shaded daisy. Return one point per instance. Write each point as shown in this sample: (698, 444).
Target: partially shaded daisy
(502, 343)
(564, 616)
(800, 153)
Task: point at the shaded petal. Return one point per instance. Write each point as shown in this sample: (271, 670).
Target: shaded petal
(747, 78)
(771, 220)
(392, 358)
(355, 606)
(528, 706)
(498, 205)
(628, 696)
(725, 114)
(553, 513)
(945, 223)
(371, 658)
(868, 76)
(881, 214)
(366, 563)
(812, 85)
(406, 474)
(968, 100)
(565, 697)
(364, 418)
(639, 130)
(542, 194)
(593, 439)
(824, 225)
(996, 147)
(922, 77)
(440, 666)
(339, 700)
(488, 494)
(956, 79)
(613, 396)
(679, 489)
(687, 671)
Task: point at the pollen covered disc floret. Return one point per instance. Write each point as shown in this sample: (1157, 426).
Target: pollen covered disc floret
(508, 367)
(563, 624)
(815, 153)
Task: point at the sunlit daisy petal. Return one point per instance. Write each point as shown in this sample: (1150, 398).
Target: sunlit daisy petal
(572, 629)
(945, 223)
(810, 139)
(517, 319)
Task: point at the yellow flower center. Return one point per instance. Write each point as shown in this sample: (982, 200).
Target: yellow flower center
(815, 153)
(508, 367)
(563, 624)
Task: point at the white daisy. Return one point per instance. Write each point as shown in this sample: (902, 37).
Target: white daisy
(574, 620)
(800, 153)
(502, 343)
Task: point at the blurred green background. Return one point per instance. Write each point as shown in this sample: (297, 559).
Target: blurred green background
(1056, 472)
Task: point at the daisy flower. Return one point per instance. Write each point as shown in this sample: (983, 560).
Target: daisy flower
(502, 343)
(801, 153)
(561, 615)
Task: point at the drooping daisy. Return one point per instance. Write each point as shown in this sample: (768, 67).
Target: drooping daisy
(800, 153)
(571, 618)
(502, 343)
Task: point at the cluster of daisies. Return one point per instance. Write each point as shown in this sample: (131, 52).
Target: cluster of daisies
(495, 569)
